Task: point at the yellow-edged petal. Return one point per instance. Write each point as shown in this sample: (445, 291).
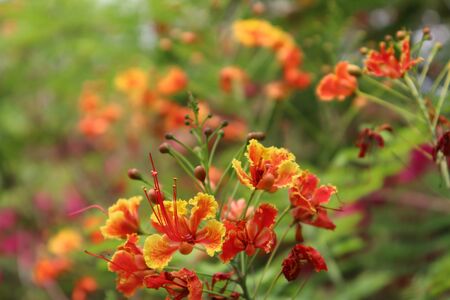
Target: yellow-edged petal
(243, 177)
(211, 236)
(158, 251)
(181, 209)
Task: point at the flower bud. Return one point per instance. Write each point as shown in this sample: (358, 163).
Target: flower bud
(164, 148)
(256, 135)
(354, 70)
(401, 34)
(153, 195)
(224, 124)
(200, 173)
(207, 131)
(426, 33)
(363, 50)
(388, 38)
(258, 8)
(134, 174)
(169, 136)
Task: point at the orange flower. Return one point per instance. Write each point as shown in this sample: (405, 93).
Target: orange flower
(231, 75)
(84, 286)
(270, 168)
(385, 63)
(254, 33)
(93, 126)
(339, 85)
(174, 81)
(89, 100)
(129, 265)
(252, 234)
(132, 81)
(276, 90)
(47, 270)
(123, 218)
(65, 241)
(307, 198)
(180, 232)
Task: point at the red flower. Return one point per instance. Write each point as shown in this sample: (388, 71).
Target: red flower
(385, 63)
(179, 284)
(249, 235)
(307, 198)
(302, 258)
(367, 137)
(443, 145)
(83, 287)
(129, 265)
(339, 85)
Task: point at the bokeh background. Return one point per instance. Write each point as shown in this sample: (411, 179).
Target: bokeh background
(392, 239)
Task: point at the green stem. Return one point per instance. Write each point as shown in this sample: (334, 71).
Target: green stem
(272, 285)
(187, 168)
(386, 88)
(441, 100)
(425, 69)
(444, 171)
(272, 255)
(439, 78)
(252, 195)
(420, 101)
(300, 288)
(404, 113)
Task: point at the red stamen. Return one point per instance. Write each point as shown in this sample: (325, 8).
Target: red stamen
(87, 208)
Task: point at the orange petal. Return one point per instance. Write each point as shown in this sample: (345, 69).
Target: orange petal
(158, 251)
(211, 236)
(287, 171)
(255, 152)
(243, 177)
(123, 218)
(204, 207)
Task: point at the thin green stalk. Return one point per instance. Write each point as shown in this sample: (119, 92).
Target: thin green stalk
(403, 112)
(444, 171)
(252, 195)
(272, 255)
(186, 147)
(179, 159)
(215, 293)
(439, 78)
(441, 100)
(300, 288)
(213, 149)
(228, 168)
(386, 88)
(272, 285)
(425, 69)
(420, 101)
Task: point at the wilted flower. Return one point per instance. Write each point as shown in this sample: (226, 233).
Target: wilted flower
(339, 85)
(367, 137)
(123, 218)
(302, 258)
(270, 168)
(443, 146)
(255, 233)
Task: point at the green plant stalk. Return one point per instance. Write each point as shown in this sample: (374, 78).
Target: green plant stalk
(439, 78)
(420, 102)
(425, 69)
(252, 195)
(179, 159)
(386, 88)
(272, 255)
(272, 285)
(441, 100)
(404, 113)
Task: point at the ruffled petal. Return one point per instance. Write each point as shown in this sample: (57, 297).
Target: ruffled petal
(158, 251)
(243, 177)
(211, 236)
(285, 173)
(204, 207)
(265, 215)
(255, 152)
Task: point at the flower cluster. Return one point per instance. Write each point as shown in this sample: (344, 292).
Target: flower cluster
(260, 33)
(227, 231)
